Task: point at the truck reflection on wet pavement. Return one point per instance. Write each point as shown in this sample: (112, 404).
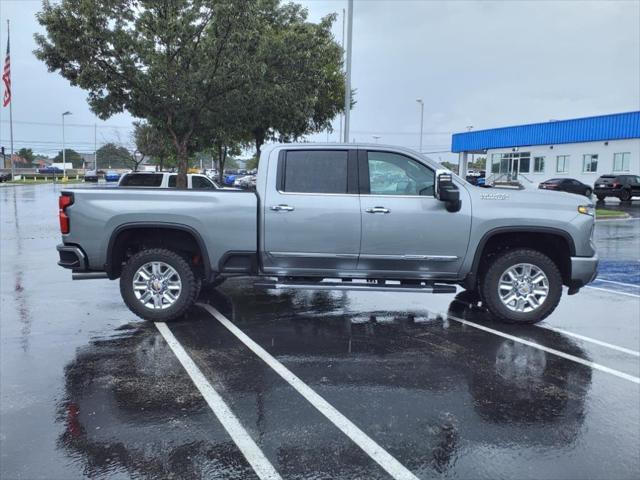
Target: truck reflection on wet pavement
(435, 394)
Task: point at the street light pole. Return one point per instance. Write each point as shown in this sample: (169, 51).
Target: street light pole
(419, 100)
(64, 153)
(95, 148)
(347, 92)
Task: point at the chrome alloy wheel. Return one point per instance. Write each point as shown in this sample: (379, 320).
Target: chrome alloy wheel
(523, 287)
(157, 285)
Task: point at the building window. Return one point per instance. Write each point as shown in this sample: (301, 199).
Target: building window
(495, 162)
(590, 163)
(524, 165)
(562, 163)
(621, 162)
(511, 163)
(538, 164)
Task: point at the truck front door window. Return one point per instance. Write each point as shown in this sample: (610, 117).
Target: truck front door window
(393, 174)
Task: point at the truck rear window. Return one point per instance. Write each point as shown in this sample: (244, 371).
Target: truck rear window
(315, 171)
(141, 180)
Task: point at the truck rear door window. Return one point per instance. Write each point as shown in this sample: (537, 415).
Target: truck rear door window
(315, 171)
(141, 180)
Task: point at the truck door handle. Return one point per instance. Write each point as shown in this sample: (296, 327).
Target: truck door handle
(284, 208)
(377, 210)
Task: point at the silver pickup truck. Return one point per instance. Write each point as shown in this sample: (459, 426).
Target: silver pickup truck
(334, 216)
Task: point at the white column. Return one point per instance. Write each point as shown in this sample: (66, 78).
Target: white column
(462, 164)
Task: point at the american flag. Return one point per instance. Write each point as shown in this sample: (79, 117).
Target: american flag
(6, 77)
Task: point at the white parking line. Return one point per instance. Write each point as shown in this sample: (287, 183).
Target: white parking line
(582, 361)
(617, 283)
(592, 340)
(229, 421)
(613, 291)
(383, 458)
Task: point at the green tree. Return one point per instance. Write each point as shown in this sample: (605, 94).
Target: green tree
(27, 154)
(451, 166)
(300, 84)
(153, 143)
(252, 163)
(167, 61)
(70, 156)
(111, 155)
(479, 163)
(223, 153)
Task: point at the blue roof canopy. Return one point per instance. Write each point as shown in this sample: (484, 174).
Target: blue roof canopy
(617, 126)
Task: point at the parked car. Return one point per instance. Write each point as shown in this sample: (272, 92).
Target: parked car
(229, 178)
(247, 181)
(474, 177)
(570, 185)
(5, 177)
(313, 224)
(166, 180)
(620, 186)
(50, 170)
(91, 176)
(111, 176)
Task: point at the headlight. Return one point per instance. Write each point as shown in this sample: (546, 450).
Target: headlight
(587, 210)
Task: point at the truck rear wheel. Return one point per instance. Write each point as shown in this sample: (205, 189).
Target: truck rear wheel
(522, 286)
(158, 285)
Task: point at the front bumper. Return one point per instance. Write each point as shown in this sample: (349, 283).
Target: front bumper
(72, 256)
(583, 270)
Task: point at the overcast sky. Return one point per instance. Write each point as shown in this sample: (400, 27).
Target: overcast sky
(479, 63)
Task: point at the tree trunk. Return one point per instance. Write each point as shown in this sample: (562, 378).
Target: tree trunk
(221, 160)
(259, 135)
(183, 166)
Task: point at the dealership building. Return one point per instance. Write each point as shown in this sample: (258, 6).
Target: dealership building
(581, 148)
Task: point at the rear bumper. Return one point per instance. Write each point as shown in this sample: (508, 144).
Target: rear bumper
(613, 192)
(583, 270)
(72, 257)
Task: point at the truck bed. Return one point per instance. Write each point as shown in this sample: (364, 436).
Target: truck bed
(226, 220)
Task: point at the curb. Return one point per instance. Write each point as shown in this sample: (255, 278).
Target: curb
(626, 216)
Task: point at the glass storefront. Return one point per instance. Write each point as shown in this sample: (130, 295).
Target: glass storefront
(511, 164)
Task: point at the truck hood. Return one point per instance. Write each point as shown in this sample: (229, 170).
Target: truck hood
(551, 200)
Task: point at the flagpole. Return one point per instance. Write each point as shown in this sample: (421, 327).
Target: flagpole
(13, 171)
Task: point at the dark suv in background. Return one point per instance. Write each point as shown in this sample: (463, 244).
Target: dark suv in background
(621, 186)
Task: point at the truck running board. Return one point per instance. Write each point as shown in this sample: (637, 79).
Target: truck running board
(369, 286)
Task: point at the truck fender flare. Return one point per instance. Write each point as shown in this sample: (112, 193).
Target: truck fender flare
(164, 225)
(477, 256)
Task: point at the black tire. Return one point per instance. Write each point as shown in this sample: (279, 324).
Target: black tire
(600, 198)
(491, 279)
(625, 196)
(588, 192)
(190, 285)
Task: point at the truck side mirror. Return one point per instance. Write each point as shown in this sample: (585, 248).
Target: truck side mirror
(448, 192)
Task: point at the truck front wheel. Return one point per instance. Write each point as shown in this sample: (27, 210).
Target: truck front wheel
(158, 285)
(521, 286)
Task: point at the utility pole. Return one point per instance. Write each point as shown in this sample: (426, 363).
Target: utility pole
(419, 100)
(341, 115)
(64, 153)
(95, 148)
(347, 92)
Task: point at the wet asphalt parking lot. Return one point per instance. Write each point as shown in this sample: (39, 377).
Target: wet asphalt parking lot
(310, 384)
